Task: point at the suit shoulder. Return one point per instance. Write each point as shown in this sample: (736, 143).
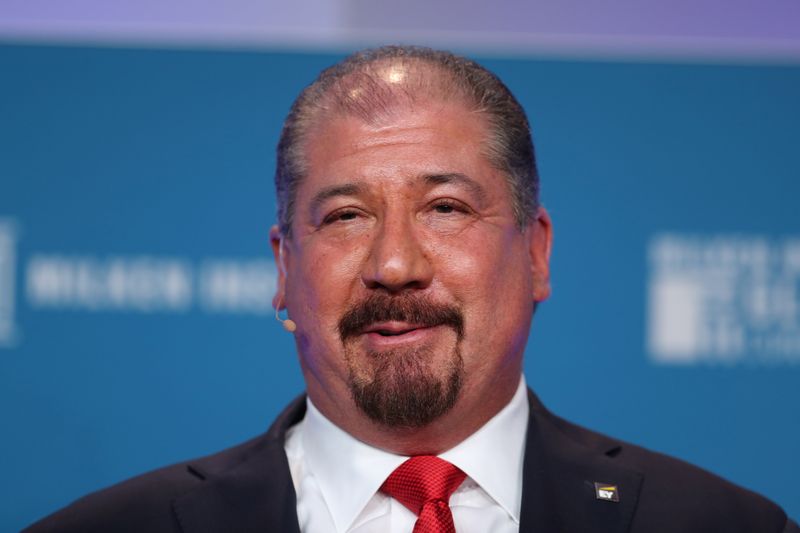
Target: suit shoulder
(682, 495)
(144, 502)
(694, 496)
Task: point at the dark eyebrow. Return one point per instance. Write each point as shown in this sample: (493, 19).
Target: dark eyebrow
(455, 177)
(348, 189)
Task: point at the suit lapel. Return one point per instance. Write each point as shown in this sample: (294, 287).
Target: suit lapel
(256, 495)
(562, 465)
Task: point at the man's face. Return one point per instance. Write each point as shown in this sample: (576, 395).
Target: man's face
(411, 283)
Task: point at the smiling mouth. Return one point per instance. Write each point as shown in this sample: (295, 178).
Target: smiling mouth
(385, 333)
(391, 333)
(393, 330)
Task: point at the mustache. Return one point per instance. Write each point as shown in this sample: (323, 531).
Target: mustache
(418, 310)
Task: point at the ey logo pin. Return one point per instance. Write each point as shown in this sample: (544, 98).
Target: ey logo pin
(607, 492)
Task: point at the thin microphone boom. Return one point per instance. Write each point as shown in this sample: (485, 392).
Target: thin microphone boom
(288, 324)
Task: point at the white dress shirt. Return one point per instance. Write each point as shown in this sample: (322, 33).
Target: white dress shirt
(337, 477)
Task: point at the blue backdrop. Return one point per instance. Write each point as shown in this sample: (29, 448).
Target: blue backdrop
(135, 202)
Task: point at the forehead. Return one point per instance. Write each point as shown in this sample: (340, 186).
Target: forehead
(427, 137)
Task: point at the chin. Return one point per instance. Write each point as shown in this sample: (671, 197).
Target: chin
(403, 389)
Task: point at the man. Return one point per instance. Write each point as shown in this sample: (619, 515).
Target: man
(413, 252)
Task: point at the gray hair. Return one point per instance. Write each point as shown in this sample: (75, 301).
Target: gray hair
(358, 86)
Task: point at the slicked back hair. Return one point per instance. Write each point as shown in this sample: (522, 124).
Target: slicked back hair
(374, 84)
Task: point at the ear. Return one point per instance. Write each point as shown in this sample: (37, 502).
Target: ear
(540, 235)
(279, 253)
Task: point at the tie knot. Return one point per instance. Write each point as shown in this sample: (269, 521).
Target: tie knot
(423, 479)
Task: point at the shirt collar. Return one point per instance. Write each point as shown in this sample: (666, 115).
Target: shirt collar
(348, 471)
(492, 457)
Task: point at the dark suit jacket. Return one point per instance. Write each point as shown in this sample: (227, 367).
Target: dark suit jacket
(248, 488)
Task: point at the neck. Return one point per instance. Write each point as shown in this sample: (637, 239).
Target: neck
(471, 411)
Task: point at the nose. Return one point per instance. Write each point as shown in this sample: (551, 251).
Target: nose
(397, 260)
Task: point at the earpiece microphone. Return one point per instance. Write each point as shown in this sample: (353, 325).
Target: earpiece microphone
(288, 324)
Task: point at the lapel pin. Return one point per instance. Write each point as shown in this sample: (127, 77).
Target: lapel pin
(606, 492)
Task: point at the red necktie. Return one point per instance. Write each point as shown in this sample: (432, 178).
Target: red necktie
(424, 484)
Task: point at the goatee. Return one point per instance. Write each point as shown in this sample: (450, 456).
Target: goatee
(401, 388)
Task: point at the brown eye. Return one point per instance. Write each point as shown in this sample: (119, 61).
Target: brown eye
(340, 216)
(449, 206)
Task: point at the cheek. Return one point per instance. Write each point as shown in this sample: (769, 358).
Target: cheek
(493, 284)
(319, 292)
(485, 271)
(323, 285)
